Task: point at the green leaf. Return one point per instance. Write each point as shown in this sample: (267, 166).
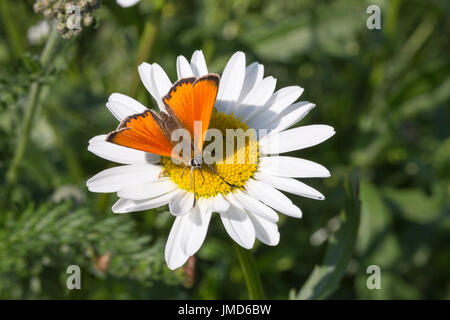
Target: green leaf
(333, 28)
(376, 217)
(414, 205)
(393, 287)
(325, 278)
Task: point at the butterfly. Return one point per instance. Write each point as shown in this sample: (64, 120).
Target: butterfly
(188, 103)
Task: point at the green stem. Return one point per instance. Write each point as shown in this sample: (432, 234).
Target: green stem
(146, 42)
(50, 46)
(12, 33)
(71, 160)
(251, 274)
(30, 110)
(145, 45)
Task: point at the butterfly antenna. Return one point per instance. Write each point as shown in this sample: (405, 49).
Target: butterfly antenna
(213, 170)
(193, 184)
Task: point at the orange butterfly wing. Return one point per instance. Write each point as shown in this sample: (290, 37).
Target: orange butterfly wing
(142, 132)
(192, 99)
(205, 93)
(189, 100)
(179, 102)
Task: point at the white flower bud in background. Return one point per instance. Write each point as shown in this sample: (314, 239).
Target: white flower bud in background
(37, 33)
(127, 3)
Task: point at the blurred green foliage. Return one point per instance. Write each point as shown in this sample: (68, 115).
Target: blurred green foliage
(325, 278)
(386, 92)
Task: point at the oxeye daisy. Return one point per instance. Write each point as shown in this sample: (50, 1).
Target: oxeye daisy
(245, 188)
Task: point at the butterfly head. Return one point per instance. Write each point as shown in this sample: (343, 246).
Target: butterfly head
(196, 162)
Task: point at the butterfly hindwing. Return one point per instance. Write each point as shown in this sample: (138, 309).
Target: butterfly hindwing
(142, 132)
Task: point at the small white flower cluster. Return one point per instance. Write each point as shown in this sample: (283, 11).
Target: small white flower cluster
(71, 15)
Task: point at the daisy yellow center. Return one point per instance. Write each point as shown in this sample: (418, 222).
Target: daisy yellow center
(236, 167)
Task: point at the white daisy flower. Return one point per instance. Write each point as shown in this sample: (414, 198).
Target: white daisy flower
(249, 205)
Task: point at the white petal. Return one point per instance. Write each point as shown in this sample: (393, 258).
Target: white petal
(279, 101)
(184, 69)
(181, 203)
(120, 154)
(147, 190)
(161, 84)
(266, 230)
(127, 3)
(97, 139)
(292, 167)
(111, 180)
(273, 198)
(145, 73)
(290, 116)
(196, 227)
(256, 99)
(126, 205)
(251, 204)
(174, 253)
(289, 185)
(155, 81)
(231, 82)
(253, 74)
(239, 226)
(123, 205)
(101, 137)
(122, 106)
(198, 64)
(220, 204)
(295, 139)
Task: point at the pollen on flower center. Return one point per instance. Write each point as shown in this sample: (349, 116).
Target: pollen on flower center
(236, 167)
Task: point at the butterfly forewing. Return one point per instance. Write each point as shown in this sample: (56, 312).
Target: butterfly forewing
(179, 102)
(191, 100)
(205, 93)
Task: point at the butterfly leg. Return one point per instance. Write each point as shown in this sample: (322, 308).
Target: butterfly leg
(193, 184)
(200, 169)
(182, 174)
